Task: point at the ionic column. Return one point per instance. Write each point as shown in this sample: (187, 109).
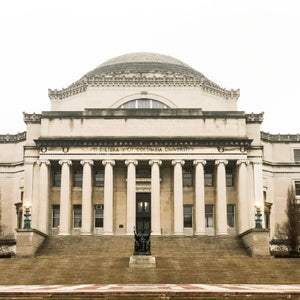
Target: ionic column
(155, 197)
(131, 195)
(44, 203)
(28, 190)
(221, 203)
(86, 228)
(199, 197)
(258, 190)
(65, 198)
(178, 197)
(108, 197)
(242, 209)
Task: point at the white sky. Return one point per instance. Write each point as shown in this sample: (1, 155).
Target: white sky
(251, 45)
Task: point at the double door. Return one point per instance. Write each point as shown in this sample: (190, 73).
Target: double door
(143, 212)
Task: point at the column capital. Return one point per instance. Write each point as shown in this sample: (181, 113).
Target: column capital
(43, 161)
(178, 161)
(87, 161)
(221, 161)
(108, 161)
(131, 161)
(242, 161)
(199, 161)
(65, 161)
(155, 161)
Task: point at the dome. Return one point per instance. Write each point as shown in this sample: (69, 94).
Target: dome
(145, 63)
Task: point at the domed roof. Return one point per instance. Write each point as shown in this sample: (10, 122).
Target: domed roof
(145, 63)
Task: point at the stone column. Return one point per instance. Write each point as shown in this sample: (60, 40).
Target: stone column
(108, 197)
(28, 191)
(65, 198)
(258, 190)
(131, 195)
(199, 197)
(242, 209)
(86, 228)
(221, 203)
(155, 197)
(44, 203)
(178, 197)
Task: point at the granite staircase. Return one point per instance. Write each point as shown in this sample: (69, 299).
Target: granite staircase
(105, 259)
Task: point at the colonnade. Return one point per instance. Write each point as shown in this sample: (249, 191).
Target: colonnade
(178, 226)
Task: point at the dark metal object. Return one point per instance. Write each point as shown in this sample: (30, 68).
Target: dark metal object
(142, 243)
(258, 220)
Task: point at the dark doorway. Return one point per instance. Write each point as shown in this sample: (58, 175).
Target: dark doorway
(143, 212)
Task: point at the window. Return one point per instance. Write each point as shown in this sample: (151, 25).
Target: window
(144, 103)
(55, 215)
(209, 215)
(208, 179)
(297, 155)
(56, 178)
(143, 173)
(297, 188)
(99, 178)
(229, 179)
(231, 215)
(187, 177)
(77, 214)
(77, 178)
(187, 216)
(99, 209)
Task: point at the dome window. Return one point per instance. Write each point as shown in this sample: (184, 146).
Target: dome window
(144, 103)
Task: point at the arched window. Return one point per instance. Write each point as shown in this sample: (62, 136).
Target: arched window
(144, 103)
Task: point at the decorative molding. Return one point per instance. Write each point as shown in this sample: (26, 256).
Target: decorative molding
(178, 161)
(155, 161)
(280, 138)
(32, 118)
(87, 161)
(65, 161)
(108, 161)
(221, 161)
(199, 161)
(242, 161)
(254, 118)
(142, 81)
(12, 138)
(131, 161)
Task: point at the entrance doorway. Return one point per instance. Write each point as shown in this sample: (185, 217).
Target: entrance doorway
(143, 212)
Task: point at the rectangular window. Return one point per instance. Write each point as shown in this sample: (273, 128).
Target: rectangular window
(231, 215)
(99, 178)
(208, 179)
(188, 216)
(77, 178)
(187, 177)
(77, 214)
(297, 188)
(55, 215)
(56, 178)
(143, 173)
(297, 155)
(209, 215)
(99, 209)
(229, 179)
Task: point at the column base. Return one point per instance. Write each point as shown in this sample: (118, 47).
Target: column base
(178, 233)
(64, 234)
(200, 233)
(222, 233)
(86, 233)
(108, 233)
(155, 233)
(129, 233)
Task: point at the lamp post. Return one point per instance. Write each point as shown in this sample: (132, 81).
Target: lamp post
(27, 216)
(258, 221)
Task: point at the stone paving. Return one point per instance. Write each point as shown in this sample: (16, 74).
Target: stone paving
(151, 291)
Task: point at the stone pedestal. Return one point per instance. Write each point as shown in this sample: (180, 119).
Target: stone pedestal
(256, 241)
(142, 262)
(28, 241)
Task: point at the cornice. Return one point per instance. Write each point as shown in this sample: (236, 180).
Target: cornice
(32, 118)
(254, 118)
(221, 143)
(280, 138)
(281, 164)
(12, 138)
(142, 81)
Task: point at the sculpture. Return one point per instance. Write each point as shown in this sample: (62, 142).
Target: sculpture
(142, 243)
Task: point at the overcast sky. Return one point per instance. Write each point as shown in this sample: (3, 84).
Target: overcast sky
(251, 45)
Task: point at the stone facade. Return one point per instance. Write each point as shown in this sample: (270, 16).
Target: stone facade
(146, 142)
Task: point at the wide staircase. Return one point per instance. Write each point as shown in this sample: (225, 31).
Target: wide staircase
(105, 259)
